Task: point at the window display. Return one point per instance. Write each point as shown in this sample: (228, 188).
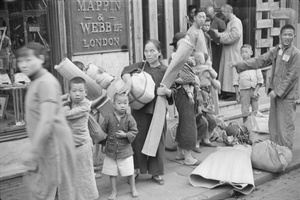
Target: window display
(21, 22)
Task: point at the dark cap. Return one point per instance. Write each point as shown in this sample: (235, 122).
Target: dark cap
(177, 37)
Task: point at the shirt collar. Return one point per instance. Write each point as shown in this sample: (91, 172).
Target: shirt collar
(119, 115)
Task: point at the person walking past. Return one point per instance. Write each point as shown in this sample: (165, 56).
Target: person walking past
(76, 109)
(121, 131)
(232, 40)
(51, 158)
(284, 85)
(247, 85)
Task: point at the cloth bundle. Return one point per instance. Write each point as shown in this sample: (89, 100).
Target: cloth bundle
(99, 75)
(226, 166)
(142, 89)
(269, 156)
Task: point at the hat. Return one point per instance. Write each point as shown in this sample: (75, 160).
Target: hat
(177, 37)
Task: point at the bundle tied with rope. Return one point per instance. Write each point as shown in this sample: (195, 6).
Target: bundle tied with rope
(236, 134)
(142, 88)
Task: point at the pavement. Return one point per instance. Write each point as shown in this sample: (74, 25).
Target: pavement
(177, 186)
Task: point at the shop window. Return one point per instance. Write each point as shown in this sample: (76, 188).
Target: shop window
(21, 21)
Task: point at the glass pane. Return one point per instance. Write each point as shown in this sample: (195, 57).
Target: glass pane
(24, 21)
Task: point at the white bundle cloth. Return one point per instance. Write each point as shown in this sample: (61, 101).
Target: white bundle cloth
(226, 166)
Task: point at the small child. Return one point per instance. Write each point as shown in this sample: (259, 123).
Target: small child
(207, 76)
(77, 109)
(121, 129)
(247, 85)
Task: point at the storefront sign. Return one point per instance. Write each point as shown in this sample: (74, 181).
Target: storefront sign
(98, 26)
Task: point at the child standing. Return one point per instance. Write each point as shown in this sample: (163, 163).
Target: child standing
(77, 109)
(121, 129)
(247, 85)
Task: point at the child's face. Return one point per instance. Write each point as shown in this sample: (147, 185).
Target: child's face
(77, 92)
(246, 53)
(30, 64)
(121, 104)
(206, 26)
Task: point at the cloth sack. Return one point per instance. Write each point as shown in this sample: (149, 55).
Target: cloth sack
(96, 133)
(142, 89)
(172, 124)
(259, 122)
(269, 156)
(99, 74)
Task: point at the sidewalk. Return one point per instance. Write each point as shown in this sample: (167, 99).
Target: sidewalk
(176, 187)
(176, 178)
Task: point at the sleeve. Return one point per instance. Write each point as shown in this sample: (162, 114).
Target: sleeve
(48, 92)
(221, 25)
(104, 125)
(77, 112)
(290, 77)
(230, 37)
(132, 127)
(192, 37)
(260, 78)
(132, 68)
(257, 62)
(236, 78)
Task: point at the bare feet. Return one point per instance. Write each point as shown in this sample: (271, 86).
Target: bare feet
(134, 193)
(113, 195)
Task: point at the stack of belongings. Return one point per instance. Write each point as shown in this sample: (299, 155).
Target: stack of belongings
(226, 166)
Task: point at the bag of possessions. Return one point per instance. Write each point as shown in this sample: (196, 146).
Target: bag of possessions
(142, 90)
(269, 156)
(236, 134)
(96, 133)
(259, 122)
(172, 124)
(99, 74)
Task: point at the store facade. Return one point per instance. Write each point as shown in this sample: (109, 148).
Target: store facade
(110, 34)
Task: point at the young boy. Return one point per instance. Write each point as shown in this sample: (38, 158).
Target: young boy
(121, 130)
(247, 85)
(77, 109)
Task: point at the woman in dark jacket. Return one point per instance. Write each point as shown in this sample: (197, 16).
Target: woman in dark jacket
(143, 116)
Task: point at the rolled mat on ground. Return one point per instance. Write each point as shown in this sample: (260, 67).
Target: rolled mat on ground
(155, 130)
(226, 166)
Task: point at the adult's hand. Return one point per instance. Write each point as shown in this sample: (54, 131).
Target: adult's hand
(163, 90)
(272, 94)
(127, 86)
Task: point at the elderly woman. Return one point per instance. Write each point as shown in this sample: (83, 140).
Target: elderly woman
(51, 157)
(143, 116)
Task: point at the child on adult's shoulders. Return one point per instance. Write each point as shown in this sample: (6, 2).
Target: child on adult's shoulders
(247, 85)
(121, 129)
